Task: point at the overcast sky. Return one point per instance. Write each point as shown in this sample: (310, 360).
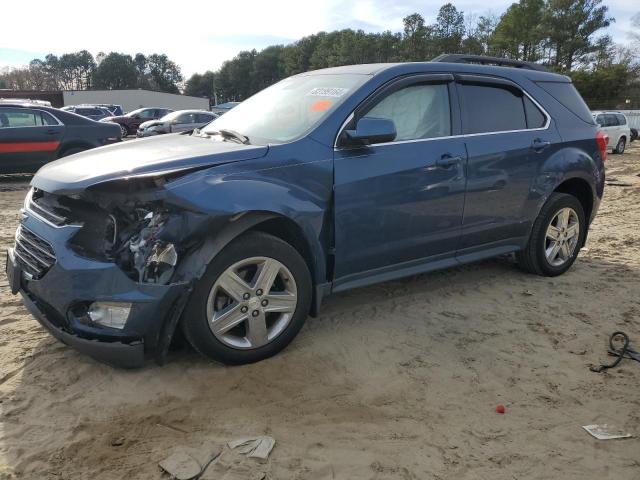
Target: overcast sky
(199, 36)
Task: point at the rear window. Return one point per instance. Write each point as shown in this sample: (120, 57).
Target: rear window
(568, 96)
(491, 109)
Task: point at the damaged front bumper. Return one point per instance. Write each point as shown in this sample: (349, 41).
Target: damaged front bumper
(59, 298)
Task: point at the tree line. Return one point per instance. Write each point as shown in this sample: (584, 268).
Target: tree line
(564, 35)
(561, 34)
(81, 71)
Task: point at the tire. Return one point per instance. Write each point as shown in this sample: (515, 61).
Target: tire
(124, 131)
(537, 256)
(242, 343)
(72, 151)
(622, 143)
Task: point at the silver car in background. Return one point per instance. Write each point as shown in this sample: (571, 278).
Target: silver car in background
(180, 121)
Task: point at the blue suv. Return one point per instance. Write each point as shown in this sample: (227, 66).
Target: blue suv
(326, 181)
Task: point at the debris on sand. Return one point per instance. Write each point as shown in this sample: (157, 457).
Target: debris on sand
(606, 432)
(187, 463)
(254, 447)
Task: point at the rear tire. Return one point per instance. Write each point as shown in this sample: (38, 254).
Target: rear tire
(556, 237)
(622, 143)
(227, 318)
(124, 131)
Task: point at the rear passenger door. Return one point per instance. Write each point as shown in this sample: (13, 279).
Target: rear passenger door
(508, 137)
(28, 139)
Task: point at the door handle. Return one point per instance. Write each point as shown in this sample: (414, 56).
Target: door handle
(538, 144)
(447, 161)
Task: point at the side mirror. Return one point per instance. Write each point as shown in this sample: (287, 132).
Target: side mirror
(373, 130)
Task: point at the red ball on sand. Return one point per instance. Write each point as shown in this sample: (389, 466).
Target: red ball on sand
(500, 408)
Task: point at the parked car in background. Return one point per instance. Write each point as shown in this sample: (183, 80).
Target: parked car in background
(326, 181)
(616, 127)
(115, 110)
(130, 122)
(32, 135)
(179, 121)
(90, 111)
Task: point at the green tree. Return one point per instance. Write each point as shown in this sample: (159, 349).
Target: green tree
(116, 71)
(449, 29)
(570, 26)
(415, 38)
(519, 33)
(163, 74)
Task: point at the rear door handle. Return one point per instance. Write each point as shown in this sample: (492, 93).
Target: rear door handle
(538, 144)
(447, 161)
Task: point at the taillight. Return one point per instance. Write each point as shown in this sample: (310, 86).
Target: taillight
(602, 140)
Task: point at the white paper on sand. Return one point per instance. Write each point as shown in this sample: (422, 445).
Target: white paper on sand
(606, 432)
(255, 447)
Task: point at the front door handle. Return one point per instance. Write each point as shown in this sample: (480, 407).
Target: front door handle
(447, 161)
(538, 144)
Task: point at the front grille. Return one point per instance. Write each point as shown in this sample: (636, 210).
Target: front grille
(46, 206)
(34, 254)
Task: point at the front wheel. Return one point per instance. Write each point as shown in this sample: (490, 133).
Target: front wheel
(251, 302)
(556, 237)
(124, 131)
(622, 143)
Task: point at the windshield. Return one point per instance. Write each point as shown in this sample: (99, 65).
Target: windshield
(289, 109)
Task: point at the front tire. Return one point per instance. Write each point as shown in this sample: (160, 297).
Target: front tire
(622, 143)
(124, 131)
(251, 302)
(556, 237)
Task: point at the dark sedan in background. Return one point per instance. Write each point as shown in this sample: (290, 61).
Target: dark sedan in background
(32, 135)
(93, 112)
(180, 121)
(130, 122)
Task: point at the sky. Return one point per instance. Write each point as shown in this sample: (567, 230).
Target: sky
(199, 36)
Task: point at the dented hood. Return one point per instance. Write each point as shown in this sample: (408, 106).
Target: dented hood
(168, 153)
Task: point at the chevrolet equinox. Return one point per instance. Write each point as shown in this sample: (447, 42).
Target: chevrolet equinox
(326, 181)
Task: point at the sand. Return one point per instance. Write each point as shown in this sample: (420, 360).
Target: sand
(394, 381)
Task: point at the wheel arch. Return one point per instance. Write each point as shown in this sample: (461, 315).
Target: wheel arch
(276, 224)
(65, 147)
(579, 188)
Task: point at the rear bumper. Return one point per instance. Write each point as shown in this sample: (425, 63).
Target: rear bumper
(118, 354)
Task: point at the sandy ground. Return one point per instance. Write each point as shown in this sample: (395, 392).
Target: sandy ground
(396, 381)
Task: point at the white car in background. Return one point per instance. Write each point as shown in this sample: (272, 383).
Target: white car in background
(616, 127)
(179, 121)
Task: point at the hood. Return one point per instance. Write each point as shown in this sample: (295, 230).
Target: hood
(156, 155)
(150, 123)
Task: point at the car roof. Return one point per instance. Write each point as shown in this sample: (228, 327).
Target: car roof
(417, 67)
(608, 112)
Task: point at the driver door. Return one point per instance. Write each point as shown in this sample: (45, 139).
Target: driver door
(399, 204)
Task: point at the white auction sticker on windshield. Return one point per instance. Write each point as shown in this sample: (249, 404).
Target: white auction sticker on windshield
(328, 91)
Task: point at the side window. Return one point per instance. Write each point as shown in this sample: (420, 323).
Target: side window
(147, 113)
(418, 111)
(600, 120)
(535, 118)
(612, 120)
(47, 119)
(622, 120)
(185, 118)
(18, 117)
(203, 117)
(487, 108)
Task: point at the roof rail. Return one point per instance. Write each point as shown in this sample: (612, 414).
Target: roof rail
(485, 60)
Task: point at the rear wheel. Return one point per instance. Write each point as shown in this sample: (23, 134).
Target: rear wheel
(251, 302)
(124, 131)
(556, 237)
(622, 143)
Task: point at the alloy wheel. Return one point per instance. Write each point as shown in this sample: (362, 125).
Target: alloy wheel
(562, 237)
(252, 302)
(124, 131)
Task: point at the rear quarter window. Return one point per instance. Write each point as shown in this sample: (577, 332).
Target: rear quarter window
(568, 96)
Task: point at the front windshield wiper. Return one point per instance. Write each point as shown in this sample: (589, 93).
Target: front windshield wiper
(232, 135)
